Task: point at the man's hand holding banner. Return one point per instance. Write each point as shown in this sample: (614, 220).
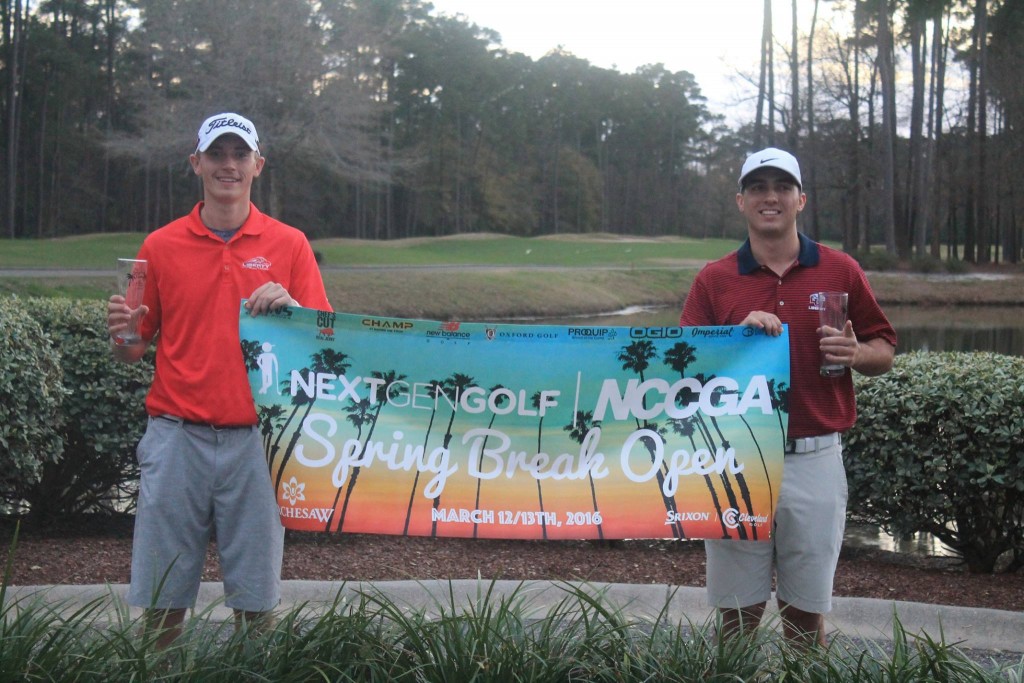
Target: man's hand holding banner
(393, 426)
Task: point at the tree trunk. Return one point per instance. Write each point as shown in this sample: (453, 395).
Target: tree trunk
(793, 134)
(887, 135)
(762, 86)
(917, 158)
(981, 55)
(810, 160)
(13, 114)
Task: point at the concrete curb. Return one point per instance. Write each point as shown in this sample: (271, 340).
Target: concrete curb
(867, 618)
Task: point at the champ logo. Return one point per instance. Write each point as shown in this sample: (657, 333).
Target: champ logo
(387, 325)
(258, 263)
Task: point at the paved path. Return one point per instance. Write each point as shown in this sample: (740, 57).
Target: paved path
(987, 633)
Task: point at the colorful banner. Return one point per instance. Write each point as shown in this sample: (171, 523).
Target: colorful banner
(414, 427)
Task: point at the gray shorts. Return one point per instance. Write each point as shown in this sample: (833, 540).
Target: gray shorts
(197, 479)
(808, 536)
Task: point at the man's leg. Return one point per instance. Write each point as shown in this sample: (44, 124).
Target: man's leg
(809, 538)
(250, 538)
(740, 621)
(805, 628)
(172, 528)
(166, 623)
(257, 622)
(739, 577)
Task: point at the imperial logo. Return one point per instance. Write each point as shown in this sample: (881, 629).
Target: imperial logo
(258, 263)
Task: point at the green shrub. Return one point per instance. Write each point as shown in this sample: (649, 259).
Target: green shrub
(31, 395)
(927, 264)
(876, 260)
(102, 414)
(939, 448)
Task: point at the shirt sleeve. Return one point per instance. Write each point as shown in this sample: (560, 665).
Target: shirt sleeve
(308, 288)
(697, 309)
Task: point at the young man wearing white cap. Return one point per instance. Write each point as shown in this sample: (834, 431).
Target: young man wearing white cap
(771, 280)
(202, 463)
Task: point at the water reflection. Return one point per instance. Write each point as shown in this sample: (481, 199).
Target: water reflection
(960, 328)
(868, 536)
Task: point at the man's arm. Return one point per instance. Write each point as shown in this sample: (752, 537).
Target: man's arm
(118, 316)
(874, 357)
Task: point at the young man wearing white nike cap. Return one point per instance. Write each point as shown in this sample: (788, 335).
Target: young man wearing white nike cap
(771, 280)
(201, 458)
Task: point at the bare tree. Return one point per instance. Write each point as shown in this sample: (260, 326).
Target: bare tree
(811, 163)
(765, 85)
(793, 130)
(981, 100)
(14, 32)
(887, 135)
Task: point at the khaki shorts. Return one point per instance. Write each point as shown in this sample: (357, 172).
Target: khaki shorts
(805, 545)
(197, 479)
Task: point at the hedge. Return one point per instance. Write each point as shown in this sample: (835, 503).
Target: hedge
(939, 448)
(81, 456)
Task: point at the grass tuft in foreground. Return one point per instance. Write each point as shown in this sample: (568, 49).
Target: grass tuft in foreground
(369, 637)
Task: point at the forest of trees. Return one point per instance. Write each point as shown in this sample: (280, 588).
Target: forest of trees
(381, 119)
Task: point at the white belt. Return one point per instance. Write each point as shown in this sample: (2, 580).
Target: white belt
(813, 443)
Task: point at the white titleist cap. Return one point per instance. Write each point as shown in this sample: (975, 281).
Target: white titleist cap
(771, 158)
(222, 124)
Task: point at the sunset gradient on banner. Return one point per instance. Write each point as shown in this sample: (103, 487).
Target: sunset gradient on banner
(494, 430)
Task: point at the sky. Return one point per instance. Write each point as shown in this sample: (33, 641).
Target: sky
(715, 40)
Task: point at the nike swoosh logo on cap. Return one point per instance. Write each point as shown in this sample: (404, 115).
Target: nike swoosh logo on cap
(763, 161)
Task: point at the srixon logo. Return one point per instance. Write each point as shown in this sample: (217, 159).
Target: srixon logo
(325, 324)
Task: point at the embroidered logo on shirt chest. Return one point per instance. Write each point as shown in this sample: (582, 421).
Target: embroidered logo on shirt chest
(258, 263)
(814, 304)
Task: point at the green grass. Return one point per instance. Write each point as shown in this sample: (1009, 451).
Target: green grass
(99, 251)
(582, 275)
(570, 250)
(89, 252)
(365, 636)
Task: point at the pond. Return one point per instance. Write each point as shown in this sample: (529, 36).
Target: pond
(953, 328)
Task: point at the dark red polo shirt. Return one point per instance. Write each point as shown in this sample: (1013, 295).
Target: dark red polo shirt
(725, 291)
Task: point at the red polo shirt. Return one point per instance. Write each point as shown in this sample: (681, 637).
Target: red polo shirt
(725, 291)
(195, 282)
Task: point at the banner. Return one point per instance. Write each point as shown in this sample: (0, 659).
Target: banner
(415, 427)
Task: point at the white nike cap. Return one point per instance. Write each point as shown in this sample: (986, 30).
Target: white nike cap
(222, 124)
(771, 158)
